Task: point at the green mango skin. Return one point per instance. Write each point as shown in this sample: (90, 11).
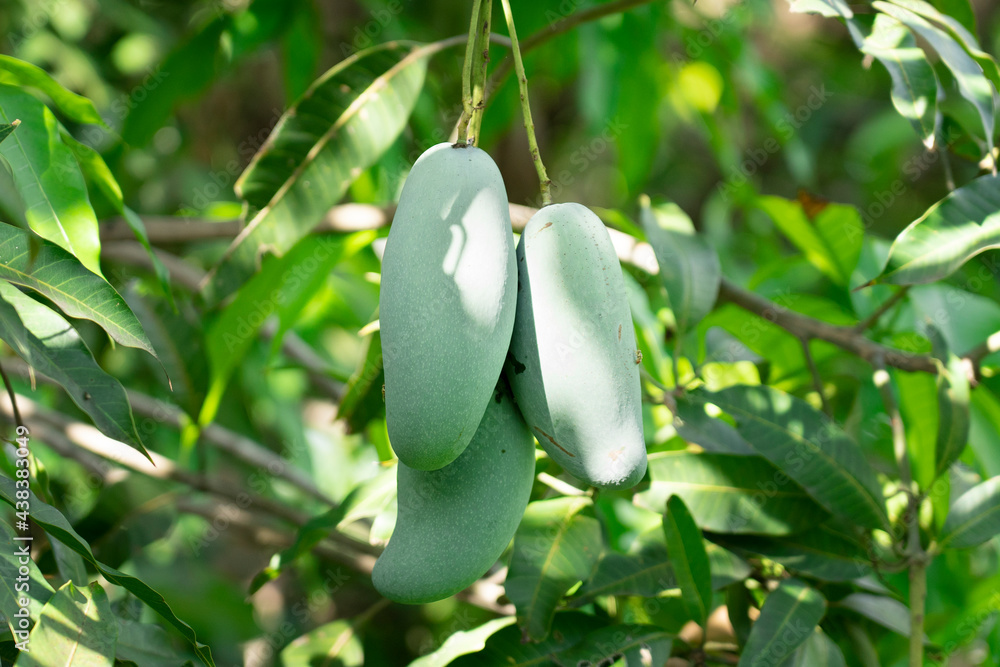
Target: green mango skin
(447, 301)
(454, 523)
(573, 356)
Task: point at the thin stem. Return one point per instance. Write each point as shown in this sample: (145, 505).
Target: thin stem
(816, 378)
(918, 599)
(480, 63)
(884, 385)
(10, 390)
(529, 125)
(470, 50)
(872, 319)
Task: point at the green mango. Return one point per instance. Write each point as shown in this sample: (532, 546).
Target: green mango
(452, 524)
(446, 307)
(573, 362)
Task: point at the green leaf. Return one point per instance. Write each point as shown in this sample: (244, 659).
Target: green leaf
(830, 240)
(331, 644)
(363, 502)
(48, 179)
(974, 518)
(914, 84)
(556, 545)
(602, 646)
(688, 559)
(645, 573)
(818, 651)
(283, 288)
(57, 527)
(61, 278)
(75, 107)
(822, 552)
(38, 592)
(918, 408)
(462, 643)
(339, 128)
(93, 166)
(75, 629)
(953, 231)
(728, 493)
(805, 445)
(506, 648)
(8, 128)
(887, 612)
(362, 399)
(689, 266)
(786, 621)
(953, 395)
(711, 433)
(972, 82)
(146, 645)
(738, 603)
(50, 345)
(828, 8)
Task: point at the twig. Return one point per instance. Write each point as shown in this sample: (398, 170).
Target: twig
(816, 377)
(560, 486)
(480, 63)
(470, 49)
(529, 124)
(872, 319)
(983, 350)
(10, 390)
(884, 385)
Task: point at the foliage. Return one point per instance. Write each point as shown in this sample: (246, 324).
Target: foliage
(194, 199)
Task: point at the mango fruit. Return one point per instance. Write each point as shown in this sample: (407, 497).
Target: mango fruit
(447, 301)
(452, 524)
(573, 362)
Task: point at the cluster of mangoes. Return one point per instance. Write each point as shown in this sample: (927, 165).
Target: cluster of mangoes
(483, 353)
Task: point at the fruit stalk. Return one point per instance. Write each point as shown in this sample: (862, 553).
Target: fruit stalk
(529, 125)
(482, 57)
(470, 50)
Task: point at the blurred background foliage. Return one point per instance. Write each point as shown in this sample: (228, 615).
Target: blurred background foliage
(706, 105)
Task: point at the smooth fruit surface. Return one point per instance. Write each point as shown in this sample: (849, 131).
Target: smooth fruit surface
(446, 306)
(573, 362)
(452, 524)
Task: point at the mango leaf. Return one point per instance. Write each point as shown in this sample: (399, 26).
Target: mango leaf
(688, 559)
(362, 399)
(93, 167)
(914, 83)
(830, 240)
(918, 408)
(339, 128)
(638, 644)
(50, 345)
(828, 8)
(283, 288)
(645, 573)
(728, 493)
(331, 644)
(75, 107)
(786, 621)
(818, 651)
(738, 603)
(887, 612)
(39, 591)
(822, 552)
(711, 433)
(75, 629)
(57, 527)
(974, 518)
(953, 231)
(972, 82)
(809, 448)
(7, 129)
(463, 642)
(61, 278)
(689, 266)
(507, 649)
(48, 179)
(726, 566)
(146, 645)
(556, 545)
(953, 395)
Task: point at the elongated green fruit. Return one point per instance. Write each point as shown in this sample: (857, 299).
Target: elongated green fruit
(573, 362)
(452, 524)
(446, 308)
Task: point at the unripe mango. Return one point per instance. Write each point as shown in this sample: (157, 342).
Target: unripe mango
(446, 307)
(452, 524)
(573, 362)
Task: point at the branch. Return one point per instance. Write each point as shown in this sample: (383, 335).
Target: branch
(872, 319)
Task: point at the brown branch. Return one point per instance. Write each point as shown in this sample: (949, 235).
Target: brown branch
(872, 319)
